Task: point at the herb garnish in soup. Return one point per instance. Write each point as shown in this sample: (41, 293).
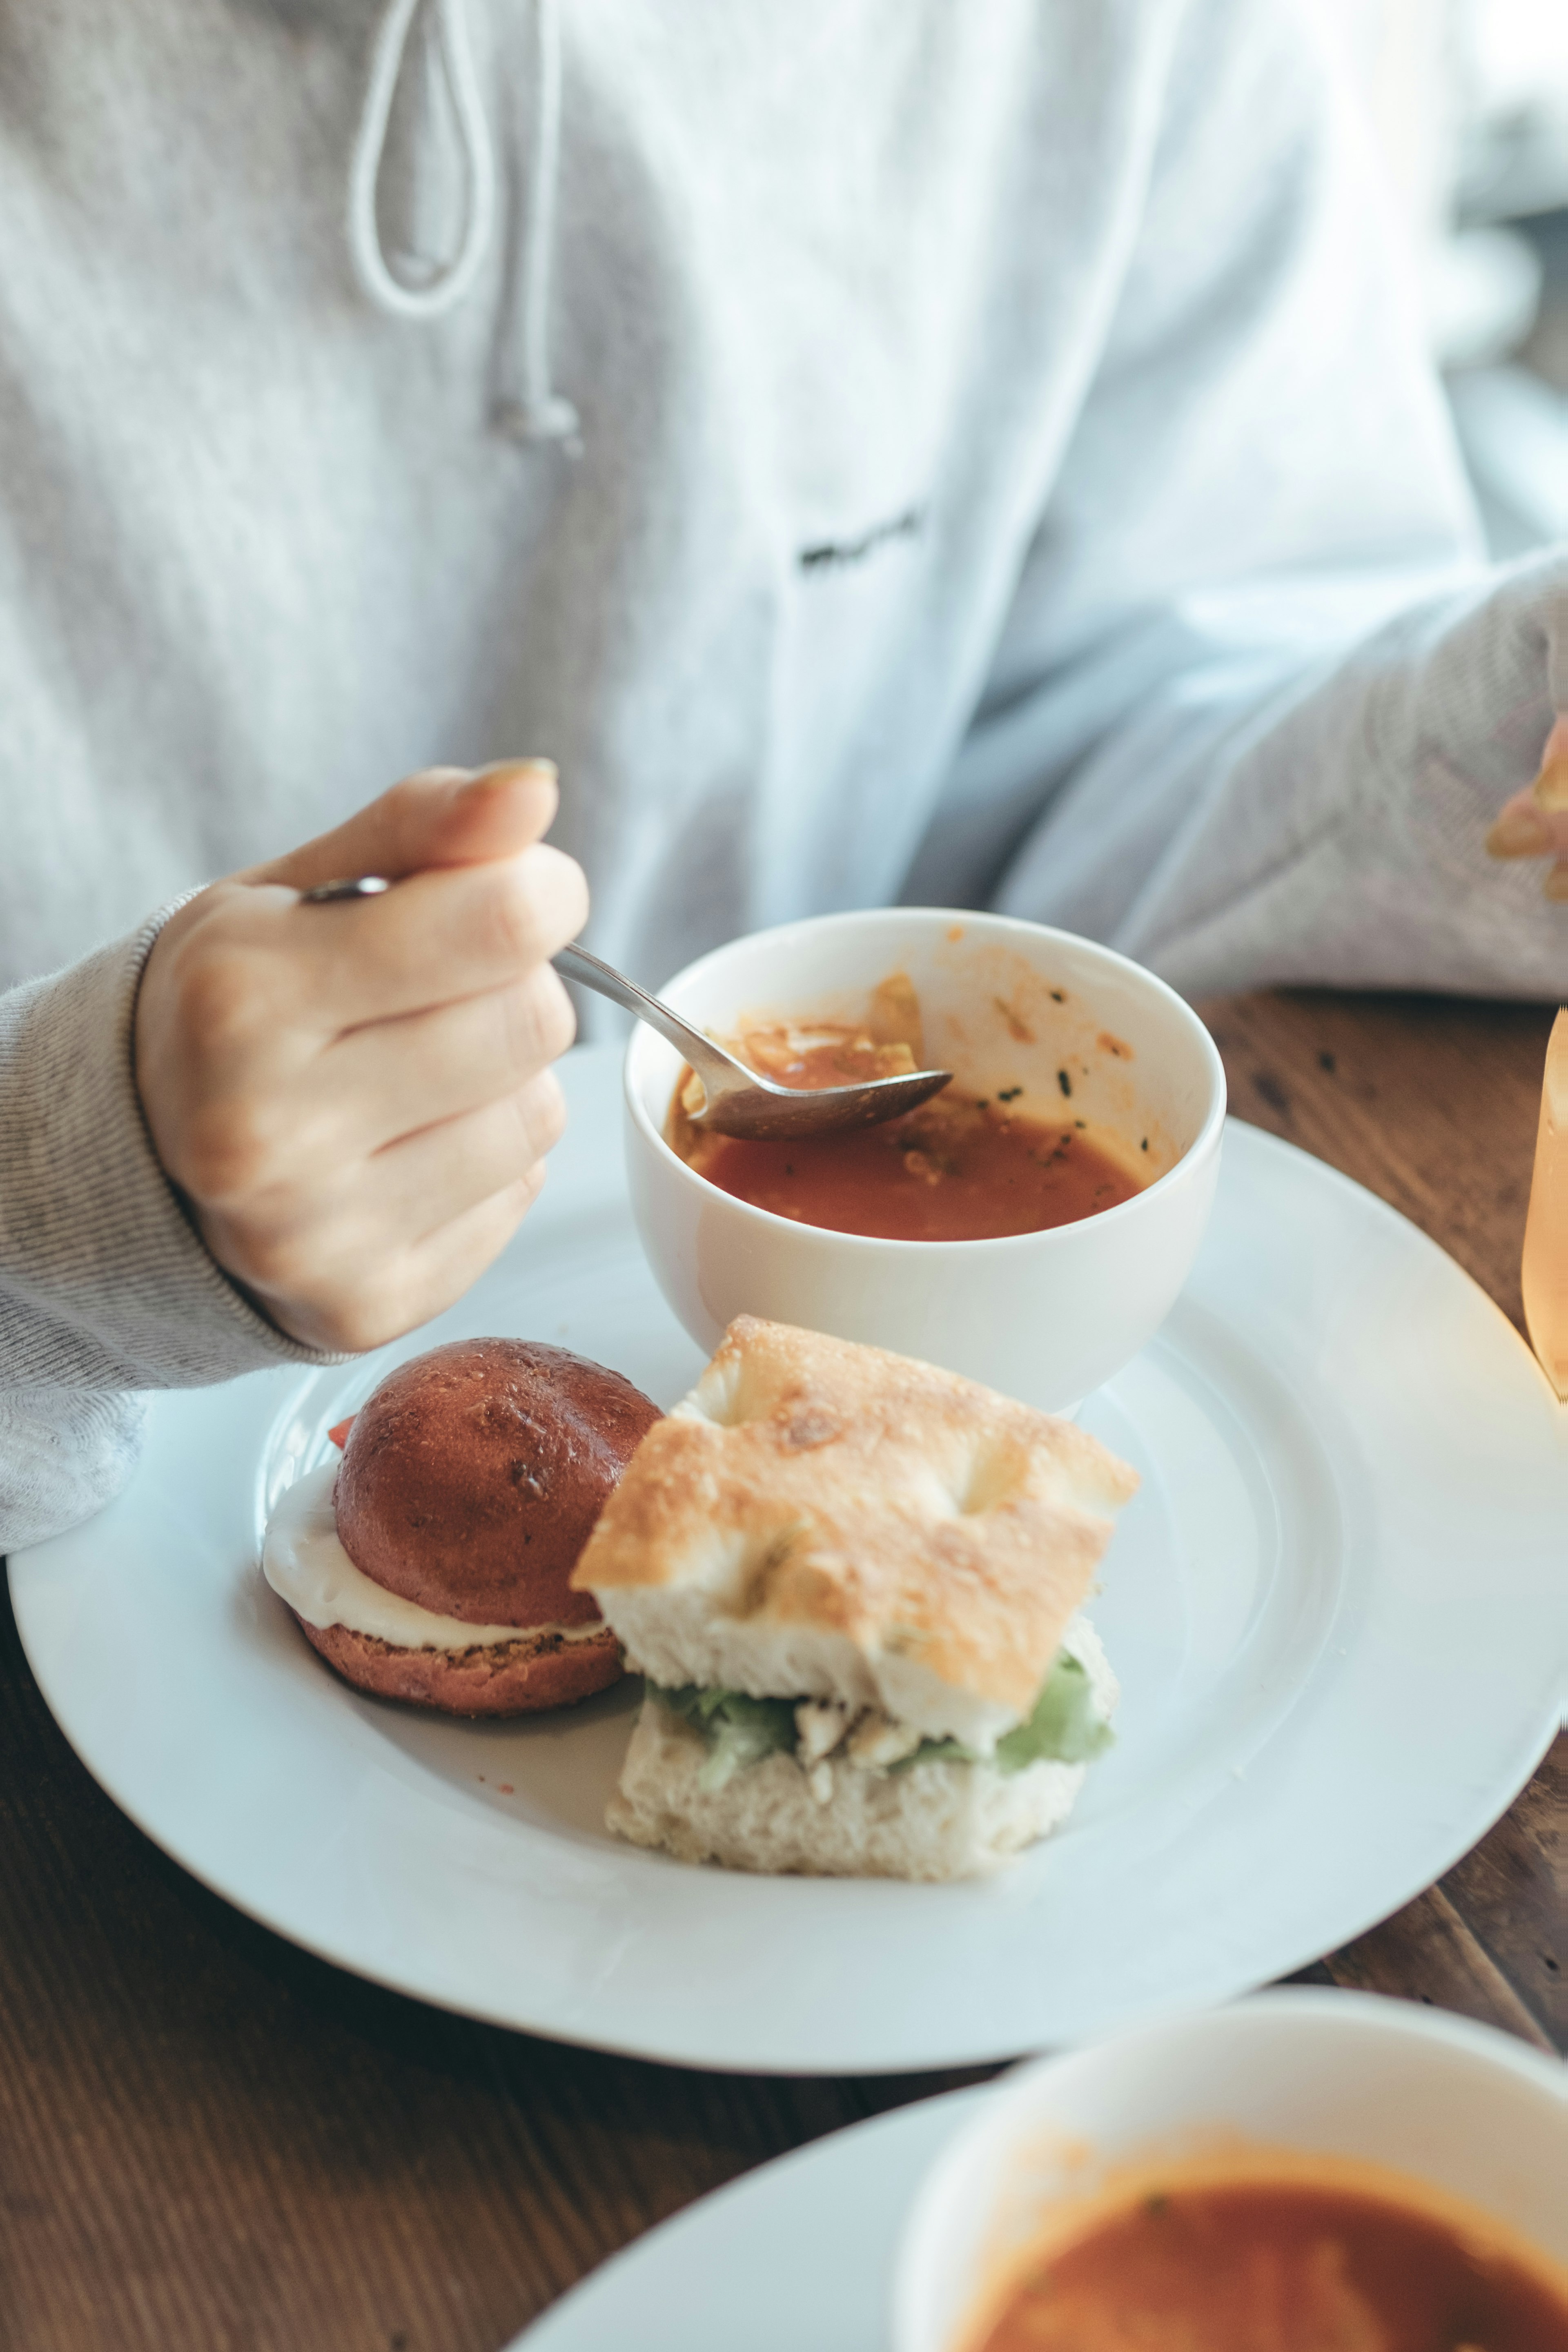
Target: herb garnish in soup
(1280, 2266)
(960, 1168)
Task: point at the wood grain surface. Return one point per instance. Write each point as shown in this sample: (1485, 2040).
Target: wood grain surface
(209, 2140)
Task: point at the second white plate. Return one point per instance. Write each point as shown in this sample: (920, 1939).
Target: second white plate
(729, 2271)
(1335, 1608)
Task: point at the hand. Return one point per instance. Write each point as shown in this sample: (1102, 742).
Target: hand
(356, 1099)
(1534, 823)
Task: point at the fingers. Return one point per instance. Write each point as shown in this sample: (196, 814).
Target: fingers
(1525, 829)
(349, 1260)
(423, 1182)
(447, 1263)
(444, 934)
(426, 1278)
(255, 959)
(1534, 823)
(1551, 786)
(442, 816)
(356, 1099)
(446, 1062)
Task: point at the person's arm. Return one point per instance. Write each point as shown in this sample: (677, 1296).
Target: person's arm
(105, 1285)
(1259, 702)
(260, 1132)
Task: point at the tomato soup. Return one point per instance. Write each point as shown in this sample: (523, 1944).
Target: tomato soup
(1260, 2266)
(960, 1168)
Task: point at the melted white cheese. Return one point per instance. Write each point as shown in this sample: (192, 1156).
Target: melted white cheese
(306, 1566)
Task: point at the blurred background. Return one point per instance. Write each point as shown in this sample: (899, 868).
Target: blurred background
(1469, 105)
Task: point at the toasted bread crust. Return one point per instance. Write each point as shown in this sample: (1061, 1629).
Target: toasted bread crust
(812, 1487)
(520, 1678)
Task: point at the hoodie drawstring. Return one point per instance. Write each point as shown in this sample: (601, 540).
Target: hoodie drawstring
(448, 282)
(541, 415)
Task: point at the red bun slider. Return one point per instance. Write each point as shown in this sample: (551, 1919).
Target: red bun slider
(471, 1481)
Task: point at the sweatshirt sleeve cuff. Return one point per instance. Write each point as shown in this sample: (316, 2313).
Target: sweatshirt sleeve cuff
(107, 1282)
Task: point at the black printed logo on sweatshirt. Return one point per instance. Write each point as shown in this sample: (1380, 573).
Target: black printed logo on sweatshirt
(837, 554)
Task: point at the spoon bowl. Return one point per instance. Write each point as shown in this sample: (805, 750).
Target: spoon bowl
(739, 1101)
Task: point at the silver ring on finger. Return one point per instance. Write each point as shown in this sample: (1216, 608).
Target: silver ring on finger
(352, 886)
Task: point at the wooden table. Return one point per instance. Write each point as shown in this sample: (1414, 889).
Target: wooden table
(208, 2139)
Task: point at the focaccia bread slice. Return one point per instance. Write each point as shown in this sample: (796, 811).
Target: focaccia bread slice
(823, 1520)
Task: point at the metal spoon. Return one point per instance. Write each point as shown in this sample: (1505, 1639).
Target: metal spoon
(739, 1101)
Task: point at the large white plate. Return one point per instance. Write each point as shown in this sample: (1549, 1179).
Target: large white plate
(1336, 1609)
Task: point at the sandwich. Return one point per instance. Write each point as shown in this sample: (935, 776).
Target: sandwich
(853, 1583)
(432, 1565)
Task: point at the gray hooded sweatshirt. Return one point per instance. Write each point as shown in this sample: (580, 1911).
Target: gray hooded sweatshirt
(966, 450)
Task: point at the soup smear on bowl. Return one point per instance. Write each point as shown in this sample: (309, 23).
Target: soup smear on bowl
(962, 1167)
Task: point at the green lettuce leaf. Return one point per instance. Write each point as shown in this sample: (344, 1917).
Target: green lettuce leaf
(1065, 1726)
(740, 1730)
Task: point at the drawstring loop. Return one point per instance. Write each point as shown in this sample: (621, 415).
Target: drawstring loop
(540, 414)
(452, 281)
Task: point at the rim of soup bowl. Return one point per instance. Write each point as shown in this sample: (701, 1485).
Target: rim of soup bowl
(1203, 1145)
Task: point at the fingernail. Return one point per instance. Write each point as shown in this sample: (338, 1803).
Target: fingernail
(1519, 833)
(500, 773)
(1556, 885)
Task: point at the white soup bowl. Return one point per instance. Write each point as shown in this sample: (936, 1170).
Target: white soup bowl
(1471, 2113)
(1042, 1316)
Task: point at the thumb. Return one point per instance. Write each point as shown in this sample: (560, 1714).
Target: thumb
(442, 816)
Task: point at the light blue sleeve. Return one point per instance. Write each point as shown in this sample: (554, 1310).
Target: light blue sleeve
(1258, 697)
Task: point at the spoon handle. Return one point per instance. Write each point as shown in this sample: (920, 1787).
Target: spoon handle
(576, 964)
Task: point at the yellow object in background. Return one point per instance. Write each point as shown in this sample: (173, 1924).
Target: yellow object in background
(1544, 1271)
